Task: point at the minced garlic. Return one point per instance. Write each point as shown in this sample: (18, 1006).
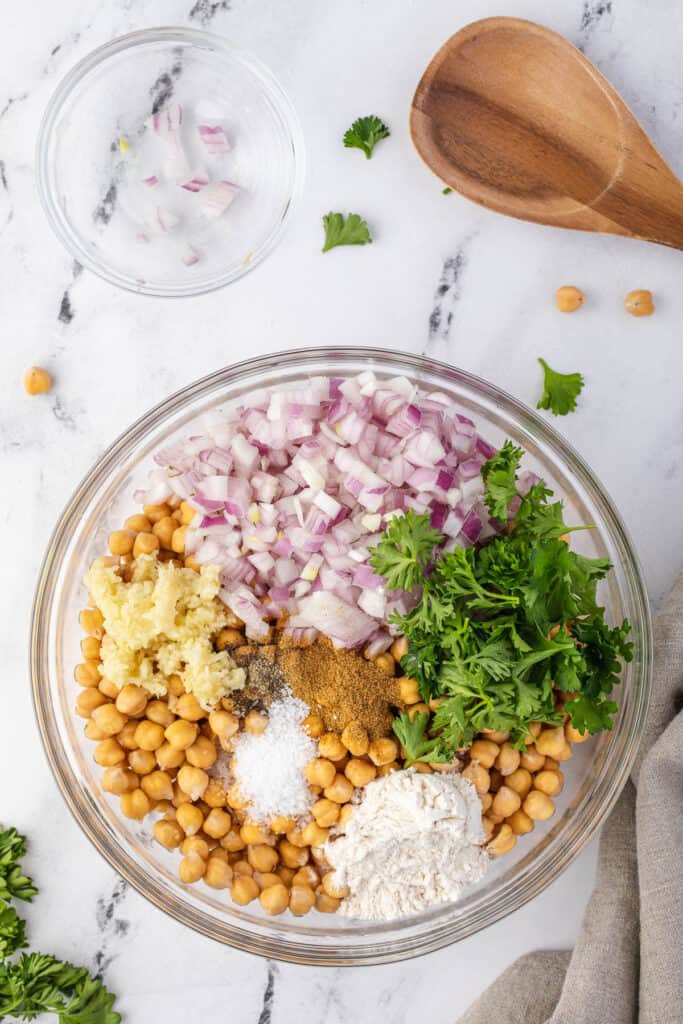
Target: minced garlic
(163, 622)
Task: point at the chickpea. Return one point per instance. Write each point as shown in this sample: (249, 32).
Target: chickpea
(355, 739)
(326, 904)
(37, 381)
(506, 802)
(121, 542)
(157, 785)
(301, 899)
(255, 835)
(486, 799)
(478, 776)
(164, 529)
(138, 524)
(235, 799)
(568, 298)
(485, 752)
(155, 513)
(169, 756)
(532, 760)
(340, 789)
(520, 823)
(189, 708)
(387, 769)
(549, 782)
(181, 734)
(193, 781)
(187, 513)
(218, 874)
(217, 823)
(386, 664)
(215, 795)
(319, 857)
(108, 688)
(174, 686)
(332, 887)
(232, 841)
(331, 747)
(496, 780)
(142, 761)
(314, 834)
(108, 719)
(262, 858)
(126, 738)
(108, 753)
(383, 751)
(280, 825)
(505, 841)
(573, 735)
(243, 890)
(639, 303)
(202, 753)
(359, 773)
(264, 879)
(195, 845)
(563, 755)
(90, 648)
(159, 712)
(135, 804)
(132, 700)
(488, 826)
(314, 726)
(274, 899)
(320, 772)
(520, 781)
(224, 724)
(243, 867)
(296, 837)
(229, 638)
(507, 761)
(495, 735)
(168, 833)
(219, 853)
(87, 674)
(538, 806)
(180, 796)
(256, 723)
(551, 741)
(292, 856)
(326, 812)
(145, 544)
(178, 540)
(408, 690)
(191, 869)
(91, 622)
(149, 735)
(190, 819)
(93, 733)
(307, 875)
(399, 648)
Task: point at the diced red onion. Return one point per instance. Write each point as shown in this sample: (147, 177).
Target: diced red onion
(217, 197)
(214, 138)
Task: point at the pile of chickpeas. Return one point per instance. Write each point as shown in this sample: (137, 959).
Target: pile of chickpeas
(157, 756)
(515, 787)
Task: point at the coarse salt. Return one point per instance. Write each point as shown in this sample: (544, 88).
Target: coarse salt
(269, 768)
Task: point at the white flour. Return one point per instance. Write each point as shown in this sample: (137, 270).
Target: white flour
(413, 841)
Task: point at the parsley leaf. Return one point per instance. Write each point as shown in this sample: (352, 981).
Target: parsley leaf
(339, 231)
(418, 746)
(365, 133)
(12, 931)
(405, 550)
(560, 390)
(500, 477)
(500, 628)
(37, 984)
(446, 191)
(13, 884)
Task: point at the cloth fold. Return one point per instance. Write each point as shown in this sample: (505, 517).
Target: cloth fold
(627, 966)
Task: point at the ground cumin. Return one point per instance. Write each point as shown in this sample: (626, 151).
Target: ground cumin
(340, 686)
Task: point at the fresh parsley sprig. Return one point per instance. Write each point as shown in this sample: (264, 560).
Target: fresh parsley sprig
(560, 390)
(365, 133)
(501, 628)
(340, 230)
(13, 884)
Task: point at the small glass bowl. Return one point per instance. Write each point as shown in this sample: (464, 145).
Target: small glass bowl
(91, 159)
(593, 777)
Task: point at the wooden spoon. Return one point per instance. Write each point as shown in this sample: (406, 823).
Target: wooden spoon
(517, 119)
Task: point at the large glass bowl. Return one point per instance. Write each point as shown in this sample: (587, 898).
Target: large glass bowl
(91, 189)
(595, 775)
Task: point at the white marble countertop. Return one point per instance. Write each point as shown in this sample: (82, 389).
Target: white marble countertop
(443, 277)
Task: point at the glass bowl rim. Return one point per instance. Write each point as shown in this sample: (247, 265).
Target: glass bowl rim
(68, 85)
(271, 945)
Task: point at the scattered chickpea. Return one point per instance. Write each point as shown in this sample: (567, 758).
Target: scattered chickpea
(135, 804)
(149, 735)
(538, 806)
(320, 772)
(280, 824)
(340, 789)
(639, 303)
(195, 845)
(506, 802)
(228, 637)
(202, 753)
(551, 741)
(193, 781)
(132, 700)
(168, 833)
(326, 812)
(532, 760)
(399, 648)
(385, 663)
(264, 879)
(108, 753)
(262, 858)
(108, 688)
(224, 724)
(301, 899)
(331, 747)
(87, 674)
(164, 529)
(190, 818)
(314, 726)
(218, 874)
(256, 723)
(307, 875)
(549, 782)
(520, 822)
(181, 734)
(568, 298)
(332, 888)
(520, 781)
(573, 735)
(157, 785)
(217, 823)
(169, 756)
(37, 381)
(191, 868)
(292, 856)
(383, 751)
(507, 761)
(178, 540)
(145, 544)
(485, 752)
(355, 739)
(359, 772)
(274, 899)
(121, 542)
(326, 904)
(142, 761)
(244, 889)
(478, 776)
(408, 690)
(108, 719)
(91, 621)
(503, 842)
(313, 834)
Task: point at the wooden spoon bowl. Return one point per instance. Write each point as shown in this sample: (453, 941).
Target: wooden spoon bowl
(517, 119)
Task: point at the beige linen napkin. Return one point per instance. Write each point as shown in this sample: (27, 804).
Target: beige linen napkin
(627, 967)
